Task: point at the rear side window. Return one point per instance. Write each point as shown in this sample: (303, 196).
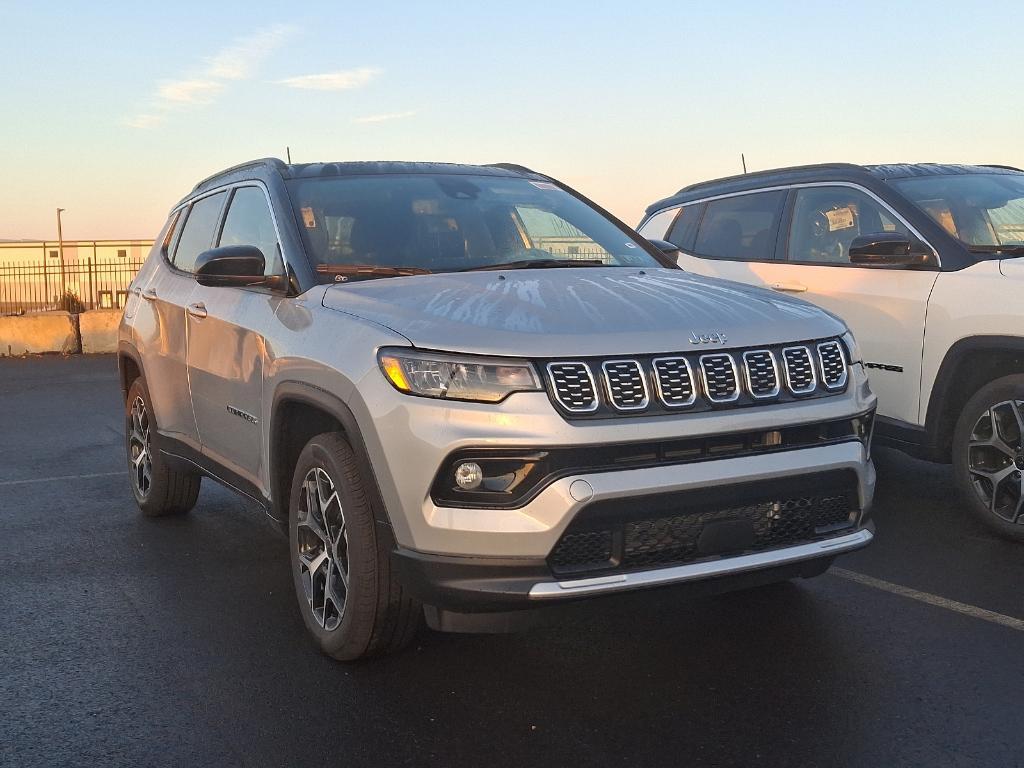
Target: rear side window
(171, 232)
(742, 227)
(685, 227)
(248, 222)
(197, 236)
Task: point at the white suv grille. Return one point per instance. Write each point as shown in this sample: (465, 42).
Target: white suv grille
(627, 384)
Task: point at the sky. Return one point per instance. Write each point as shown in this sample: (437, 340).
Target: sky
(115, 110)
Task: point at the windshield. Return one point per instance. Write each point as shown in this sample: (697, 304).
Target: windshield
(445, 223)
(985, 211)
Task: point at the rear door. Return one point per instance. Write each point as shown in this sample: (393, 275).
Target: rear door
(226, 351)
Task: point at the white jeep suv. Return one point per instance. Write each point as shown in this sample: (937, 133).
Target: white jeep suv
(926, 265)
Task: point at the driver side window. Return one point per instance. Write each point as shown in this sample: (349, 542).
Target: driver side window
(827, 219)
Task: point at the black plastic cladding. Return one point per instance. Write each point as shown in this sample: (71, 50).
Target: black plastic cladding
(655, 407)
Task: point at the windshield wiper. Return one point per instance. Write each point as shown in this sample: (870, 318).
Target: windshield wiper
(367, 271)
(538, 264)
(1015, 250)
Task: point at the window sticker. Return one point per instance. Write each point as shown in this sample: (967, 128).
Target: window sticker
(308, 218)
(840, 218)
(544, 185)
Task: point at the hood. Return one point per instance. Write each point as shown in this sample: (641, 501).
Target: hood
(1013, 267)
(578, 312)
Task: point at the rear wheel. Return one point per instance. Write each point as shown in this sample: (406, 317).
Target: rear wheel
(341, 567)
(159, 490)
(988, 455)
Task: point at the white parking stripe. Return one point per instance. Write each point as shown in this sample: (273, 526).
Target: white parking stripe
(925, 597)
(59, 477)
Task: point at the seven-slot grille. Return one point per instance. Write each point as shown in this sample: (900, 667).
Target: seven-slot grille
(800, 375)
(674, 379)
(721, 384)
(717, 379)
(762, 373)
(833, 364)
(627, 384)
(574, 386)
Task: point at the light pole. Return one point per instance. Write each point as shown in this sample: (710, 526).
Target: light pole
(60, 255)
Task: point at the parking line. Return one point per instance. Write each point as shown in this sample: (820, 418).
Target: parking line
(59, 477)
(926, 597)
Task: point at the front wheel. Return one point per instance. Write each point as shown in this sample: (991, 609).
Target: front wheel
(348, 597)
(988, 455)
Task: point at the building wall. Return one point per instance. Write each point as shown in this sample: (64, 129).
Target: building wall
(74, 251)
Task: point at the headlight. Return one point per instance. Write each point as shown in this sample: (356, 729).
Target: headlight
(454, 377)
(852, 349)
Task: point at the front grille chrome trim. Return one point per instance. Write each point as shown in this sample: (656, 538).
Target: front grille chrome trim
(595, 403)
(735, 377)
(749, 379)
(609, 391)
(832, 344)
(660, 390)
(553, 590)
(813, 384)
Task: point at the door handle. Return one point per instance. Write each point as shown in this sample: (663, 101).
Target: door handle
(149, 294)
(789, 287)
(197, 310)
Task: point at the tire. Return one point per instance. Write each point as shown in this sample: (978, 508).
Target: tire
(335, 542)
(159, 490)
(988, 455)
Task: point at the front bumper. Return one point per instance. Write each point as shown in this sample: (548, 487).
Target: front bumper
(464, 584)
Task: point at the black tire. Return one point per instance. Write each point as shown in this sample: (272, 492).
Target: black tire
(160, 490)
(331, 526)
(974, 456)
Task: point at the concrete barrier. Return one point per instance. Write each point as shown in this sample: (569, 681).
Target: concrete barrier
(98, 330)
(43, 332)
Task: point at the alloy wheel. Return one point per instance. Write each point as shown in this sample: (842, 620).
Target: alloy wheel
(995, 460)
(322, 542)
(140, 456)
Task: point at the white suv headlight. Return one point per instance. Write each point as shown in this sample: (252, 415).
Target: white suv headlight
(456, 377)
(852, 348)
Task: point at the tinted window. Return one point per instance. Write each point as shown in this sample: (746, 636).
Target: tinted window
(249, 223)
(170, 232)
(741, 227)
(452, 222)
(826, 219)
(685, 227)
(197, 236)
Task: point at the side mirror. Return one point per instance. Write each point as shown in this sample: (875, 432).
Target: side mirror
(669, 249)
(889, 249)
(238, 266)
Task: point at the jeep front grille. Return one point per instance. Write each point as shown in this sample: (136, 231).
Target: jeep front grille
(574, 386)
(762, 373)
(721, 384)
(653, 385)
(673, 378)
(800, 377)
(833, 364)
(627, 384)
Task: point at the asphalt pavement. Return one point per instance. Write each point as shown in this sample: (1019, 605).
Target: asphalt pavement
(129, 641)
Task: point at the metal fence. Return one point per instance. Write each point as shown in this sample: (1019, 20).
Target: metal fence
(84, 284)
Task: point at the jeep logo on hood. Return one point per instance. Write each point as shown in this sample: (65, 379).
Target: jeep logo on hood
(707, 338)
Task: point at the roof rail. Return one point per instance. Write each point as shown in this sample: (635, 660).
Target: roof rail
(514, 167)
(1000, 167)
(274, 162)
(772, 171)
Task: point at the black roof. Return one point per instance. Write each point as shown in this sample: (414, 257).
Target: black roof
(823, 172)
(361, 168)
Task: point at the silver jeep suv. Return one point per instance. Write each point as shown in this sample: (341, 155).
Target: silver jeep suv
(466, 391)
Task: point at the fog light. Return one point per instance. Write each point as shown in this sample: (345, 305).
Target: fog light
(468, 476)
